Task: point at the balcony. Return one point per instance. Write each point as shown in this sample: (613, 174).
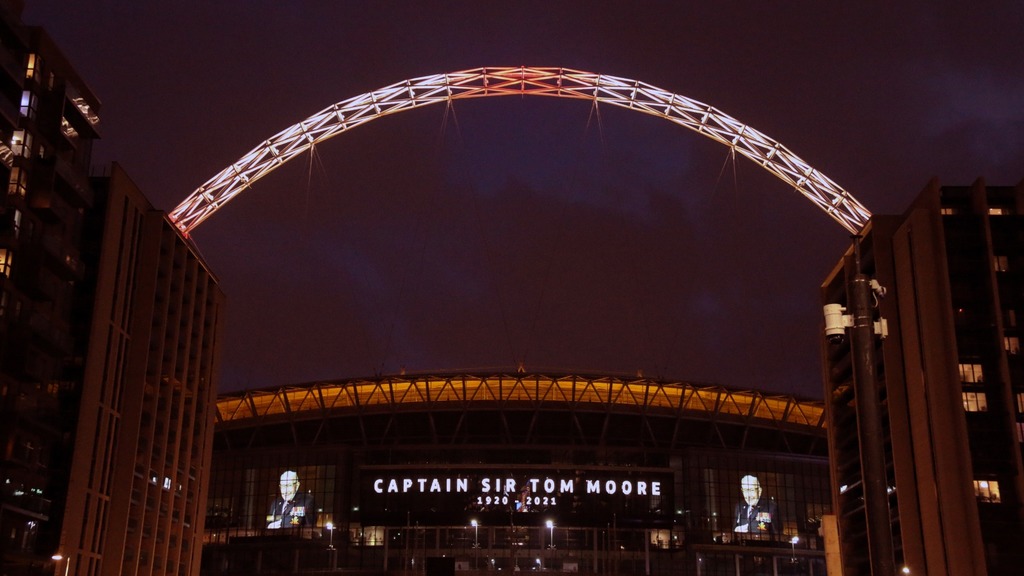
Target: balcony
(39, 283)
(76, 181)
(14, 68)
(26, 502)
(50, 336)
(80, 113)
(9, 110)
(65, 258)
(6, 155)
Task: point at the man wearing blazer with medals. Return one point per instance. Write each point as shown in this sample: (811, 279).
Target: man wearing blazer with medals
(292, 508)
(756, 516)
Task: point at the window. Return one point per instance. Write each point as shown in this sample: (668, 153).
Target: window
(971, 373)
(32, 66)
(1010, 318)
(21, 143)
(947, 211)
(1001, 263)
(998, 211)
(975, 401)
(6, 256)
(16, 184)
(16, 222)
(1011, 344)
(1020, 432)
(987, 491)
(29, 104)
(1020, 402)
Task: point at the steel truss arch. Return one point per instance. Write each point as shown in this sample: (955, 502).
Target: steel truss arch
(706, 120)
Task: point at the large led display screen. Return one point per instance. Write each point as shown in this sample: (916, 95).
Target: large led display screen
(592, 495)
(273, 498)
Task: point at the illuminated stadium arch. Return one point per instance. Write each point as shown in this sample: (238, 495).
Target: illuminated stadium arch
(839, 204)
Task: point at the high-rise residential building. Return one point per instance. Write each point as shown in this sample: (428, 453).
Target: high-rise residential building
(108, 336)
(48, 120)
(950, 382)
(137, 488)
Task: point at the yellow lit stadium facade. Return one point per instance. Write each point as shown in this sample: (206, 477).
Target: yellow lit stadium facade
(460, 472)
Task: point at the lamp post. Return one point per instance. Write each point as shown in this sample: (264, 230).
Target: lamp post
(551, 528)
(793, 541)
(330, 530)
(67, 561)
(476, 542)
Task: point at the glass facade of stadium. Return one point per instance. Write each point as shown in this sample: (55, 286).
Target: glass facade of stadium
(450, 473)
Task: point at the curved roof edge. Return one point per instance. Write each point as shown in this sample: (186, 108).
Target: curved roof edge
(461, 390)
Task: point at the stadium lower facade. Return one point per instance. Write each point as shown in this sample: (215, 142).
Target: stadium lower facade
(461, 472)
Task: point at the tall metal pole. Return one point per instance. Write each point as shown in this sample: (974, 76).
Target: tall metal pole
(869, 422)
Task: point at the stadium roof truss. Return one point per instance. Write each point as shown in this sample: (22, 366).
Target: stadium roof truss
(505, 394)
(518, 81)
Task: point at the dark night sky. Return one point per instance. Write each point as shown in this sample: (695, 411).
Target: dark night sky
(524, 228)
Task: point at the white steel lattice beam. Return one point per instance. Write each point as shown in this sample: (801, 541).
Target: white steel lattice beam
(507, 81)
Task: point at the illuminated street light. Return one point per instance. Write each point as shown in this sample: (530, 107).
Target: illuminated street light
(57, 557)
(476, 542)
(793, 541)
(330, 528)
(551, 528)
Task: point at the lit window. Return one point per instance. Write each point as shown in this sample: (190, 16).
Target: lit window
(1011, 344)
(971, 373)
(1020, 432)
(6, 256)
(947, 211)
(998, 211)
(32, 65)
(29, 103)
(21, 143)
(17, 182)
(1002, 263)
(16, 222)
(1020, 402)
(987, 491)
(975, 402)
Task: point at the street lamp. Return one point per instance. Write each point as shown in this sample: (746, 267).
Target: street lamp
(793, 541)
(551, 528)
(57, 557)
(330, 529)
(476, 542)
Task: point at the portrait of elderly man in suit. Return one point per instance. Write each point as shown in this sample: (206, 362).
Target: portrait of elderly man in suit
(291, 508)
(756, 515)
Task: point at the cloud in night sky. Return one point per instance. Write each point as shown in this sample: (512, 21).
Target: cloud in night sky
(532, 229)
